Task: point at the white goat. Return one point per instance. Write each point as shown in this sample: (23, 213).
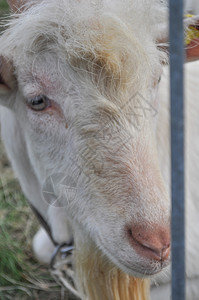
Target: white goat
(78, 92)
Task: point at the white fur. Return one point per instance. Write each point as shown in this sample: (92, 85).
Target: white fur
(43, 246)
(95, 60)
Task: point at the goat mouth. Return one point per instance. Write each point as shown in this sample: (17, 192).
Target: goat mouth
(140, 271)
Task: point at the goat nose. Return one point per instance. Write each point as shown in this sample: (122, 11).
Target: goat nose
(153, 242)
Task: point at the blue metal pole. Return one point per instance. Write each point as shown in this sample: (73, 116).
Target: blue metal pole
(177, 148)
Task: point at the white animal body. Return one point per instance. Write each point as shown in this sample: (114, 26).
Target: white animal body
(78, 93)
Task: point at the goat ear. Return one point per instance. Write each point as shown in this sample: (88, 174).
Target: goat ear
(7, 81)
(192, 39)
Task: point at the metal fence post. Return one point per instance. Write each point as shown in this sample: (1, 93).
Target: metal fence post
(177, 148)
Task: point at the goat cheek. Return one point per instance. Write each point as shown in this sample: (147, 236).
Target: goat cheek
(42, 122)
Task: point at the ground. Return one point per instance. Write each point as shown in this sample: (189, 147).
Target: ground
(21, 276)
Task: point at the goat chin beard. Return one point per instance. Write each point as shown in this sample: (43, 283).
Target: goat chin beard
(97, 278)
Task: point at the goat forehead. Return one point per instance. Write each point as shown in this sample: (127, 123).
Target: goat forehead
(87, 33)
(112, 61)
(76, 16)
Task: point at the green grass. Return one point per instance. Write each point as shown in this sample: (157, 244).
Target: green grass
(12, 205)
(4, 12)
(3, 5)
(21, 276)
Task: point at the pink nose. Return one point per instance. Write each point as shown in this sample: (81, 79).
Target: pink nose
(153, 243)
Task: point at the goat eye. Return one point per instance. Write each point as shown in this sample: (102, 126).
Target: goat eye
(159, 79)
(38, 103)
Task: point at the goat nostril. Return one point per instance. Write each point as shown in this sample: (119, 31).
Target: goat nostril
(153, 244)
(160, 253)
(130, 234)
